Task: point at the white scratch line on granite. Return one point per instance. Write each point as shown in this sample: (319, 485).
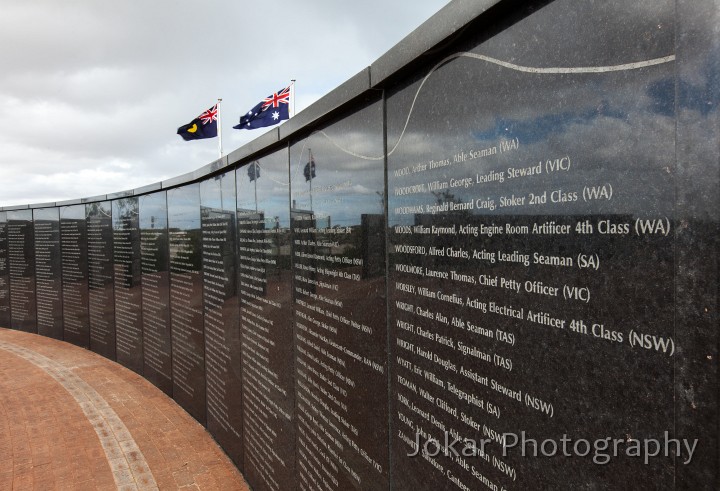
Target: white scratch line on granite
(529, 69)
(583, 69)
(512, 66)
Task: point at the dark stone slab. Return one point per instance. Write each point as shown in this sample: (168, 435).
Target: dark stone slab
(221, 312)
(186, 299)
(48, 272)
(21, 268)
(101, 302)
(696, 271)
(127, 283)
(264, 286)
(340, 304)
(531, 253)
(73, 242)
(157, 342)
(4, 273)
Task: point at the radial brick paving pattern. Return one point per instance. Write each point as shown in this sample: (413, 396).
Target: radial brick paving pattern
(70, 419)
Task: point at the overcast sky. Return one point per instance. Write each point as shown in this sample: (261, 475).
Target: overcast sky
(92, 91)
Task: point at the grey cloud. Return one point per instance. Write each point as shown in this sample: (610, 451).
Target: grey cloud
(93, 91)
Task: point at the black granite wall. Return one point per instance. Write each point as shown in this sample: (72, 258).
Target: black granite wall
(21, 270)
(488, 261)
(127, 277)
(266, 321)
(4, 274)
(155, 281)
(186, 300)
(221, 312)
(48, 272)
(101, 304)
(73, 243)
(337, 182)
(537, 206)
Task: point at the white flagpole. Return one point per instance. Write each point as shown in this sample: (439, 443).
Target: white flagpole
(219, 126)
(292, 97)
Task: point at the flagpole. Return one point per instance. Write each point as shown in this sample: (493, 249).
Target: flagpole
(219, 125)
(310, 169)
(292, 96)
(255, 166)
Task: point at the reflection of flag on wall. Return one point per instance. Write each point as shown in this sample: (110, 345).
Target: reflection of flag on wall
(204, 126)
(271, 110)
(309, 171)
(253, 171)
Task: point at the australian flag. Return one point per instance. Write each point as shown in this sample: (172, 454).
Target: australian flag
(271, 110)
(309, 170)
(253, 171)
(204, 126)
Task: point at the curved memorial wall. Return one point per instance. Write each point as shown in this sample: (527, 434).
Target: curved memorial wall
(487, 261)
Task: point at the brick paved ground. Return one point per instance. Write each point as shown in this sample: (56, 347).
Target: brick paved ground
(72, 420)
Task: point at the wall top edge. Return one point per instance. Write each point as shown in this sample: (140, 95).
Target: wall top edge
(431, 33)
(68, 202)
(93, 199)
(121, 194)
(258, 145)
(156, 186)
(195, 175)
(211, 168)
(42, 205)
(15, 207)
(178, 180)
(352, 88)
